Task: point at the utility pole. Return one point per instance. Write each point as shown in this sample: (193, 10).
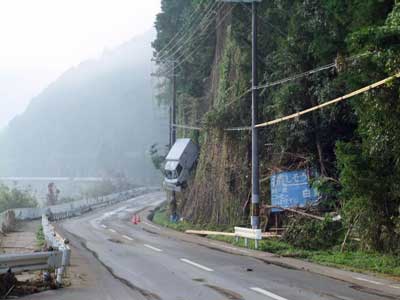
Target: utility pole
(173, 102)
(173, 204)
(172, 131)
(170, 125)
(255, 170)
(255, 167)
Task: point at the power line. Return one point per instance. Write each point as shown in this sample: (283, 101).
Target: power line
(187, 127)
(203, 26)
(243, 128)
(187, 32)
(309, 72)
(190, 19)
(297, 76)
(278, 82)
(334, 101)
(190, 33)
(189, 55)
(277, 29)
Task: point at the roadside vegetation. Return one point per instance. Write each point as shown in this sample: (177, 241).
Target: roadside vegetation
(40, 241)
(15, 198)
(351, 259)
(353, 146)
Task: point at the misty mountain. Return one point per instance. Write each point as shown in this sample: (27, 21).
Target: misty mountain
(96, 119)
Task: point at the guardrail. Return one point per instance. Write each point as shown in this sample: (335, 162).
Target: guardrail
(71, 209)
(55, 240)
(248, 233)
(59, 259)
(30, 262)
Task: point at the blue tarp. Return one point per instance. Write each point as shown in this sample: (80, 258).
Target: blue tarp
(292, 189)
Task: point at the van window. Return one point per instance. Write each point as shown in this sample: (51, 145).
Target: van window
(179, 170)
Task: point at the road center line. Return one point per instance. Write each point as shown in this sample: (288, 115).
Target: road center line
(112, 230)
(127, 237)
(367, 280)
(196, 265)
(266, 293)
(152, 248)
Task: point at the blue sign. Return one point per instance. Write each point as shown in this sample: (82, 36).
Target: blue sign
(292, 189)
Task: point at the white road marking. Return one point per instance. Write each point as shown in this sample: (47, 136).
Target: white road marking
(152, 248)
(266, 293)
(395, 286)
(112, 230)
(127, 237)
(104, 226)
(151, 225)
(196, 265)
(367, 280)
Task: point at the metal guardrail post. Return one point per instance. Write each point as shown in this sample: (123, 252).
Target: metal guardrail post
(56, 241)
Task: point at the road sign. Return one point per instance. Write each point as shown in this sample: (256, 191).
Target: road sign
(292, 189)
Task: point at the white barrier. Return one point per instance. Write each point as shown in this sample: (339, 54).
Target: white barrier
(54, 240)
(76, 207)
(19, 263)
(60, 258)
(248, 233)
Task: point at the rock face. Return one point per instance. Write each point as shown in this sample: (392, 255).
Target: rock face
(219, 190)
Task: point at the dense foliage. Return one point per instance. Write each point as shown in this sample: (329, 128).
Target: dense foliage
(15, 198)
(353, 145)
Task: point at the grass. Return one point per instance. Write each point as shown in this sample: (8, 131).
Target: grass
(358, 261)
(40, 241)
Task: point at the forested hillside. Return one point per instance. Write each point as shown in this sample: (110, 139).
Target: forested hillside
(97, 119)
(337, 46)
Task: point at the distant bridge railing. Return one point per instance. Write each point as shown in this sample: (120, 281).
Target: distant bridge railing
(70, 209)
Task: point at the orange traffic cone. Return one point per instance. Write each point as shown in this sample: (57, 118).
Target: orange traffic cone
(134, 220)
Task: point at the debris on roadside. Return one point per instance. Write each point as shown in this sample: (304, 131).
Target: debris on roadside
(14, 286)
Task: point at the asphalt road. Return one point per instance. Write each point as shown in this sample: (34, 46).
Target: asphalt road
(121, 260)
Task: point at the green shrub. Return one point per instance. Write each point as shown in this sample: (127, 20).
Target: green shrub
(313, 234)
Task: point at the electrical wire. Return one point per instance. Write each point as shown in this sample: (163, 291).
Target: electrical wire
(295, 77)
(203, 26)
(187, 32)
(334, 101)
(190, 33)
(175, 37)
(189, 54)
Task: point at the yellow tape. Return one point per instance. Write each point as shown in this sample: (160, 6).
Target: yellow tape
(342, 98)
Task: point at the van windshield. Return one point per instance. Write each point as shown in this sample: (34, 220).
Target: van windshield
(171, 174)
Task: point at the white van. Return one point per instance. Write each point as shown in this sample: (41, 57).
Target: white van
(179, 163)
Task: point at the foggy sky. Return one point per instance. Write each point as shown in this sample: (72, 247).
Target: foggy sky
(40, 39)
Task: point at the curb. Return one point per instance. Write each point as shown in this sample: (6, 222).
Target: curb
(366, 282)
